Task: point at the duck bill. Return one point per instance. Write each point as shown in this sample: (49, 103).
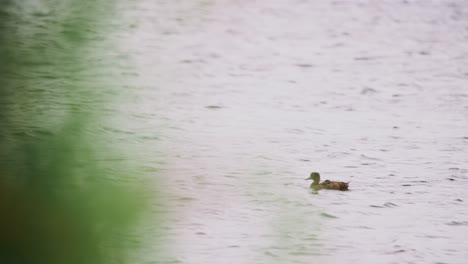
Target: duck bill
(308, 178)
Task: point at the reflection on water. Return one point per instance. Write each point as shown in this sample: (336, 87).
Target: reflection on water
(230, 105)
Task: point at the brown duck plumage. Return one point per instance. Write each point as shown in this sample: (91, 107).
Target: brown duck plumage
(332, 185)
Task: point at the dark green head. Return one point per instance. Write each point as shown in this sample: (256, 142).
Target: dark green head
(315, 176)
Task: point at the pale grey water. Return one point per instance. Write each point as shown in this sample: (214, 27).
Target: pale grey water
(248, 97)
(231, 104)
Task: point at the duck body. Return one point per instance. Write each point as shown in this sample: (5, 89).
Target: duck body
(330, 185)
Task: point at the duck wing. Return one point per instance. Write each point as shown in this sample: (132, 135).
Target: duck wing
(342, 186)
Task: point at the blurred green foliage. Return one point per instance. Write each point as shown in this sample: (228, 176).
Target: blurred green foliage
(59, 203)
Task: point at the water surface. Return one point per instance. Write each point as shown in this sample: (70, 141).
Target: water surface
(231, 105)
(248, 98)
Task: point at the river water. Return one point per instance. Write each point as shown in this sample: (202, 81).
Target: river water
(248, 97)
(231, 104)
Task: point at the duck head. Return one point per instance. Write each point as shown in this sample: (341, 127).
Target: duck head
(315, 176)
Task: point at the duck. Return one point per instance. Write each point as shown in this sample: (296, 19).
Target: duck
(331, 185)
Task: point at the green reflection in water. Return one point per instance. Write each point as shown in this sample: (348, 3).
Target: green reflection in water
(59, 201)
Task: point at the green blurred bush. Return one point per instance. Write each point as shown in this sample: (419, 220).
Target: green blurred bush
(59, 202)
